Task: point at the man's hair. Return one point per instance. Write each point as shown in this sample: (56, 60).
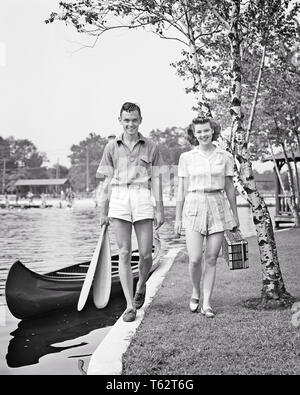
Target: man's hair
(200, 121)
(129, 107)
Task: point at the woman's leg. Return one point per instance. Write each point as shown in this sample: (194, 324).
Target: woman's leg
(123, 230)
(194, 243)
(213, 246)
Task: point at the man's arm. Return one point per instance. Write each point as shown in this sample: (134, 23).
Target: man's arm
(157, 190)
(104, 199)
(158, 196)
(105, 172)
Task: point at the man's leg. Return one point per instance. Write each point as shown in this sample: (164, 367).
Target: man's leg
(123, 230)
(144, 235)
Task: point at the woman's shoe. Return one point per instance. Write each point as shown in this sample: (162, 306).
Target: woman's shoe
(194, 304)
(208, 312)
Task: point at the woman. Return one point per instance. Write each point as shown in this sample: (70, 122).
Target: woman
(204, 181)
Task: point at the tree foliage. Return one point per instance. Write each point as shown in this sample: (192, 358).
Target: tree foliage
(278, 114)
(171, 142)
(85, 159)
(22, 161)
(57, 171)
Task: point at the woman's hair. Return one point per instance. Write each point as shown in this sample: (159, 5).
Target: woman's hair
(200, 121)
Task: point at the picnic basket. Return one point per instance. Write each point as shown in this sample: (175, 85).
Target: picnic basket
(235, 250)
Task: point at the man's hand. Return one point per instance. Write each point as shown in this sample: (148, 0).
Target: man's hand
(178, 227)
(159, 218)
(104, 220)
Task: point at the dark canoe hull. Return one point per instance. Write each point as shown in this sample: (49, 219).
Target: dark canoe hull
(29, 294)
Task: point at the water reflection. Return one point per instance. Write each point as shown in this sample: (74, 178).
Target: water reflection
(35, 338)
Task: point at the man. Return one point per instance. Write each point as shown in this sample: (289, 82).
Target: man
(130, 164)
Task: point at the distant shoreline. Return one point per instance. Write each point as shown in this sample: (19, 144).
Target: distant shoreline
(92, 202)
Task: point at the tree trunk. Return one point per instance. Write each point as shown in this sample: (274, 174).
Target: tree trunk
(277, 170)
(253, 107)
(297, 178)
(294, 208)
(285, 193)
(204, 107)
(273, 287)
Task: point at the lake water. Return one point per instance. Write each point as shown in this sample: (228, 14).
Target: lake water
(47, 239)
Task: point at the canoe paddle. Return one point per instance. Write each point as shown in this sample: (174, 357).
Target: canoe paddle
(96, 261)
(102, 278)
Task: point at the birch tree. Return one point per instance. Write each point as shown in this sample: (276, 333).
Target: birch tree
(273, 284)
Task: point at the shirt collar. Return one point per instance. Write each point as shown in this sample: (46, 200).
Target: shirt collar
(140, 138)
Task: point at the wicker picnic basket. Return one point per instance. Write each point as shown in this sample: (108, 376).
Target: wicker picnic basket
(235, 250)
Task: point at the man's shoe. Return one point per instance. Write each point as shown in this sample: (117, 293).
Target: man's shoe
(208, 312)
(139, 299)
(129, 315)
(194, 304)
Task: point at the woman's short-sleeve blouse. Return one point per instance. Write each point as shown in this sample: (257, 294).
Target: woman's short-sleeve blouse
(206, 173)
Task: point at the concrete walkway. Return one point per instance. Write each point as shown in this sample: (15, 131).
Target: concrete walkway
(107, 358)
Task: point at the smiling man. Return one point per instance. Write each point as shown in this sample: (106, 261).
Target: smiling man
(131, 165)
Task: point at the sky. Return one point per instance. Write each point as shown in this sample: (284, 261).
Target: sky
(55, 94)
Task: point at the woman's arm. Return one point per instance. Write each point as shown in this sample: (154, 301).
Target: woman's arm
(231, 196)
(181, 193)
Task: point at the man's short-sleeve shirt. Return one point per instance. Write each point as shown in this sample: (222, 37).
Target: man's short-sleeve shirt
(127, 167)
(206, 173)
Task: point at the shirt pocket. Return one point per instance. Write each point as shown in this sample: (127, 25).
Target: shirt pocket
(145, 160)
(145, 163)
(218, 167)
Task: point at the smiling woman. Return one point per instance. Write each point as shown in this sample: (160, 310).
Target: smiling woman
(204, 189)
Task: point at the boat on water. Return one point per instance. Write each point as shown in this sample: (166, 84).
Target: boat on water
(24, 205)
(30, 294)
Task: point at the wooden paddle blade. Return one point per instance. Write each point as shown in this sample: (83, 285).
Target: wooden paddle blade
(91, 271)
(102, 278)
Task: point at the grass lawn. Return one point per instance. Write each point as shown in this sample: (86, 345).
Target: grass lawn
(171, 340)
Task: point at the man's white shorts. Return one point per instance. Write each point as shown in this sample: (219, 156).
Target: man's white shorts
(131, 203)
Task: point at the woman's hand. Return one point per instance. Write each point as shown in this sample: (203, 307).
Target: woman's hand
(236, 220)
(178, 227)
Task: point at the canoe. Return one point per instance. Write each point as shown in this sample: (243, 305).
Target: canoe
(29, 294)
